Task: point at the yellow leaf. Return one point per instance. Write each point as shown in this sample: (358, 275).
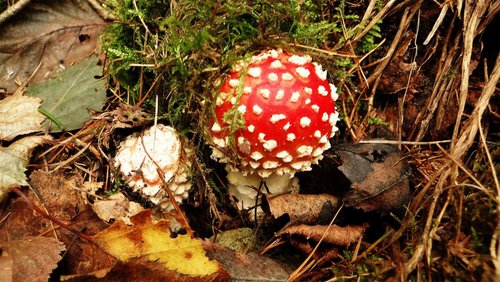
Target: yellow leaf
(19, 116)
(183, 254)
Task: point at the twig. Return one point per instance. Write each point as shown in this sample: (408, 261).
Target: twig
(393, 142)
(13, 10)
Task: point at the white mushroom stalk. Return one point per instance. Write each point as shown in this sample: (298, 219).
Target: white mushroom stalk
(288, 110)
(139, 156)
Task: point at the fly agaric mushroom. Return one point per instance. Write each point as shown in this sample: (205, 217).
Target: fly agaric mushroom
(139, 156)
(287, 108)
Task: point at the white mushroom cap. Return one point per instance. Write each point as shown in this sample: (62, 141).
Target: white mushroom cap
(138, 157)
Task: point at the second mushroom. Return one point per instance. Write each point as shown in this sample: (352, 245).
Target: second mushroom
(274, 116)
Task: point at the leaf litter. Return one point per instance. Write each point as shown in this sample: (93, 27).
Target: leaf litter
(44, 38)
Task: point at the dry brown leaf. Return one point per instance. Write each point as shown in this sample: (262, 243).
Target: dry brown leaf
(303, 208)
(46, 36)
(336, 235)
(61, 199)
(116, 206)
(19, 116)
(246, 267)
(33, 258)
(379, 176)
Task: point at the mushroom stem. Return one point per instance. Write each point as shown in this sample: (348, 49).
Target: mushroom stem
(249, 189)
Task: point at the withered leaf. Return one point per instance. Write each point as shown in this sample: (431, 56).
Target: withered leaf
(33, 258)
(45, 37)
(153, 242)
(19, 115)
(246, 267)
(305, 208)
(336, 235)
(379, 176)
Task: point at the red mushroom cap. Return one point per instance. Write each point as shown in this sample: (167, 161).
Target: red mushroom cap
(288, 108)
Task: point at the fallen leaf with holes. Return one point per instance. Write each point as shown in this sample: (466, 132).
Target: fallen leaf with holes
(116, 207)
(70, 94)
(304, 208)
(152, 245)
(46, 37)
(336, 235)
(379, 175)
(13, 162)
(19, 116)
(246, 267)
(33, 258)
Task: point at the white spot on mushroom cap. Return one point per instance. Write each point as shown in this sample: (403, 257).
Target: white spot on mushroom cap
(323, 139)
(304, 150)
(220, 142)
(233, 100)
(273, 77)
(308, 101)
(303, 72)
(317, 152)
(256, 109)
(261, 137)
(325, 117)
(302, 165)
(308, 90)
(256, 156)
(247, 90)
(270, 164)
(319, 71)
(251, 128)
(265, 173)
(334, 117)
(264, 92)
(234, 82)
(299, 60)
(290, 137)
(315, 108)
(305, 122)
(276, 64)
(270, 145)
(242, 109)
(288, 159)
(277, 117)
(287, 76)
(280, 94)
(295, 97)
(317, 134)
(287, 126)
(219, 101)
(254, 165)
(216, 127)
(322, 91)
(333, 92)
(282, 154)
(241, 140)
(254, 72)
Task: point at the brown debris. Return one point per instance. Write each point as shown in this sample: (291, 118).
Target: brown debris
(302, 207)
(336, 235)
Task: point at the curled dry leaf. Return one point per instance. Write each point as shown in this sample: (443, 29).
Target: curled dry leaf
(183, 256)
(33, 258)
(19, 116)
(303, 208)
(336, 235)
(116, 206)
(13, 162)
(379, 176)
(45, 37)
